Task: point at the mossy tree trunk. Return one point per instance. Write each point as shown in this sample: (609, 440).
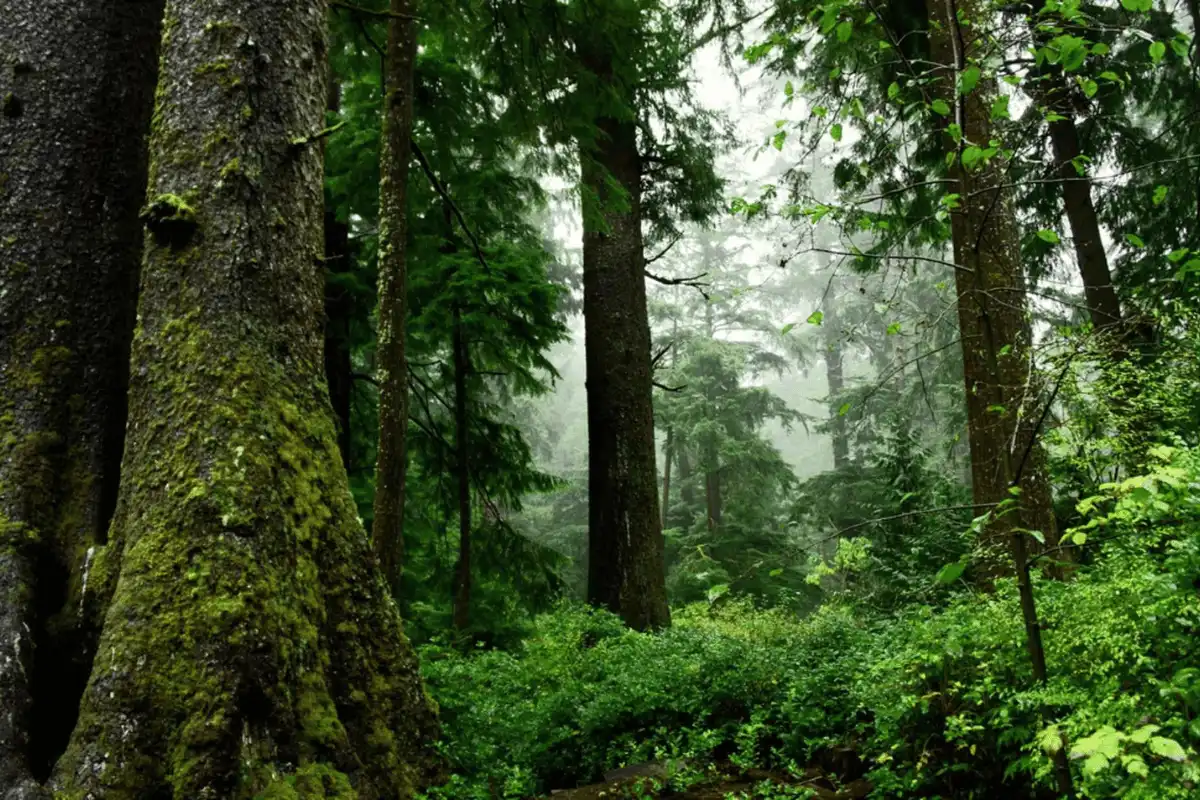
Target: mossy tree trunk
(77, 82)
(1002, 388)
(626, 571)
(836, 381)
(391, 464)
(250, 648)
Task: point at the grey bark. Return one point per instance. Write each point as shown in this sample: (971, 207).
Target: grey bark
(77, 83)
(250, 647)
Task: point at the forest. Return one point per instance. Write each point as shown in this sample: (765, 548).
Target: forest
(599, 399)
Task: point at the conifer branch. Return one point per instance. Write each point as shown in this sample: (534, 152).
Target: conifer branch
(694, 281)
(662, 252)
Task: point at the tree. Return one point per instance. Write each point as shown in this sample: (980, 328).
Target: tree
(76, 89)
(250, 646)
(395, 153)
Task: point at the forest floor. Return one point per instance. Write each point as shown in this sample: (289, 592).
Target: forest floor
(651, 780)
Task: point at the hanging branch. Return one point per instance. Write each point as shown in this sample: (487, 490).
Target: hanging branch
(694, 281)
(445, 195)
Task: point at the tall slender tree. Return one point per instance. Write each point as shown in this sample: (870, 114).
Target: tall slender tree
(395, 154)
(77, 88)
(250, 646)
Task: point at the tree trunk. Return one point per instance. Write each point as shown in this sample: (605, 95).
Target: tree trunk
(251, 647)
(687, 489)
(392, 460)
(462, 572)
(712, 496)
(77, 82)
(625, 543)
(339, 369)
(668, 455)
(835, 377)
(1003, 403)
(1104, 308)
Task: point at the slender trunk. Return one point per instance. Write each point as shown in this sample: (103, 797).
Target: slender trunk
(668, 455)
(1002, 402)
(625, 545)
(1104, 308)
(339, 370)
(77, 83)
(250, 648)
(687, 486)
(996, 333)
(392, 461)
(712, 495)
(836, 380)
(462, 572)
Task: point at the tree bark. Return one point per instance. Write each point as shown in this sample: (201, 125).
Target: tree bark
(626, 571)
(1003, 404)
(462, 571)
(668, 455)
(77, 82)
(687, 490)
(1051, 91)
(392, 460)
(712, 495)
(835, 377)
(250, 647)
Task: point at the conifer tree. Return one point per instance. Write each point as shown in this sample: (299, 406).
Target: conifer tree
(250, 647)
(76, 90)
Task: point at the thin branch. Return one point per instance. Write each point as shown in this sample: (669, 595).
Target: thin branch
(920, 512)
(666, 388)
(370, 12)
(445, 195)
(662, 252)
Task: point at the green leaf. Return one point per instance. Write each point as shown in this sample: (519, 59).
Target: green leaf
(820, 111)
(893, 90)
(1167, 748)
(1000, 108)
(1100, 49)
(1012, 80)
(1089, 86)
(1175, 256)
(836, 133)
(1135, 765)
(717, 592)
(1160, 194)
(787, 329)
(1157, 51)
(968, 80)
(789, 89)
(844, 410)
(815, 318)
(893, 329)
(778, 139)
(1048, 236)
(1143, 734)
(951, 572)
(1137, 5)
(941, 107)
(845, 30)
(1134, 240)
(955, 131)
(971, 156)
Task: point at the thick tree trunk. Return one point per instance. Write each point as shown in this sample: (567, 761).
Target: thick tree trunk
(834, 375)
(339, 368)
(392, 461)
(251, 647)
(625, 544)
(1003, 403)
(77, 82)
(462, 571)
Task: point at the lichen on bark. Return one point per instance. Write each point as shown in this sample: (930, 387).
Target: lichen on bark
(251, 648)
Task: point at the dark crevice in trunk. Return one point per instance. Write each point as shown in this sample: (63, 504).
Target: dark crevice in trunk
(339, 369)
(462, 446)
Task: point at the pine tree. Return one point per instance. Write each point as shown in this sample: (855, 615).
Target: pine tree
(250, 646)
(76, 90)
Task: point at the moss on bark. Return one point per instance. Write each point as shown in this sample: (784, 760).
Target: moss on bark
(251, 648)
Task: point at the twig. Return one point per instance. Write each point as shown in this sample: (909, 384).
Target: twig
(370, 12)
(662, 252)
